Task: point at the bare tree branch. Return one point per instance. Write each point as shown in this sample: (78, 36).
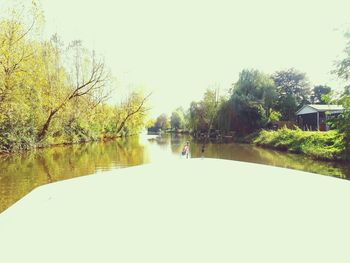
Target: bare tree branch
(96, 83)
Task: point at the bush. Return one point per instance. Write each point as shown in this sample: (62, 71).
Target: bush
(319, 145)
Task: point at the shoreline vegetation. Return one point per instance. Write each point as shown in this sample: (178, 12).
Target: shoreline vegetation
(59, 143)
(261, 108)
(325, 146)
(55, 93)
(318, 145)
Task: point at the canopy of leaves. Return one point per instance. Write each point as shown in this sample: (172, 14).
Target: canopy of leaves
(293, 91)
(253, 96)
(318, 94)
(52, 94)
(177, 119)
(342, 123)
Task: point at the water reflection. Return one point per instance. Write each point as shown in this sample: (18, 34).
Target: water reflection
(21, 173)
(248, 153)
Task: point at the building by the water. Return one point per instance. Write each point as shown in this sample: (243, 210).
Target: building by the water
(314, 117)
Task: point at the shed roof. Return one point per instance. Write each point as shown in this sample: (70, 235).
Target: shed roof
(321, 108)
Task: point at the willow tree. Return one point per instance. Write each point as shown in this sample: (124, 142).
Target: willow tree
(203, 113)
(253, 97)
(177, 119)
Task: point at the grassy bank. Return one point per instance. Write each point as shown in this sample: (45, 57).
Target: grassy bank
(319, 145)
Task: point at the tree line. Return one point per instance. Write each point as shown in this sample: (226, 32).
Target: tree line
(254, 101)
(54, 93)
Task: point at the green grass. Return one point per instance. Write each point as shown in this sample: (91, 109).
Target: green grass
(319, 145)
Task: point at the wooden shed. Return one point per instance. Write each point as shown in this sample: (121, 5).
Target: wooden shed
(314, 117)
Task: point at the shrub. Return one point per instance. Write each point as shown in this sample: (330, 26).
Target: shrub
(319, 145)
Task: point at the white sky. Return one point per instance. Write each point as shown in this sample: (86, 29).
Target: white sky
(179, 48)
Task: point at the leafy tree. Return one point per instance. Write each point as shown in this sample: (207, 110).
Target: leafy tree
(226, 116)
(203, 113)
(162, 122)
(193, 116)
(131, 110)
(293, 91)
(287, 105)
(177, 119)
(53, 94)
(318, 93)
(253, 97)
(88, 79)
(18, 93)
(342, 123)
(208, 108)
(342, 69)
(150, 123)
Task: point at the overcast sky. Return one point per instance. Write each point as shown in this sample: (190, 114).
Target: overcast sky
(179, 48)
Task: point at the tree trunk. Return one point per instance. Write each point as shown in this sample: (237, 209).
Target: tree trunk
(121, 126)
(45, 128)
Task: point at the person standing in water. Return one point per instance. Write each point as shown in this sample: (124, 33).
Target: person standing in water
(186, 150)
(203, 148)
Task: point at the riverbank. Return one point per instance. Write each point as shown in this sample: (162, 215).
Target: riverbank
(56, 142)
(323, 146)
(187, 210)
(326, 146)
(21, 173)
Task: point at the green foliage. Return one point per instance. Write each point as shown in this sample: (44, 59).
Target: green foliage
(293, 92)
(255, 101)
(342, 123)
(343, 66)
(320, 94)
(274, 116)
(45, 99)
(42, 166)
(162, 122)
(253, 97)
(202, 114)
(319, 145)
(150, 123)
(177, 119)
(225, 116)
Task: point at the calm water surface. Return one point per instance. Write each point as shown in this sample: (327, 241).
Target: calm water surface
(21, 173)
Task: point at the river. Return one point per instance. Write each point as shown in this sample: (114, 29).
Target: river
(21, 173)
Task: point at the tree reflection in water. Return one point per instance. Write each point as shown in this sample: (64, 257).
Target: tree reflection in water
(21, 173)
